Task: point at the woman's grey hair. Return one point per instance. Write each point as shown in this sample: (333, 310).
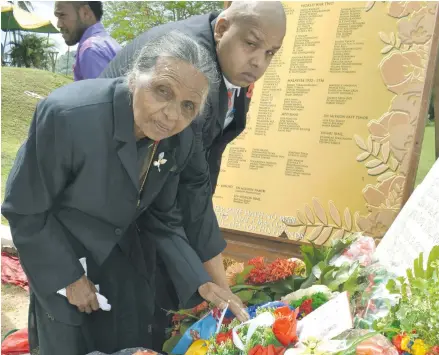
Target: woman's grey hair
(177, 45)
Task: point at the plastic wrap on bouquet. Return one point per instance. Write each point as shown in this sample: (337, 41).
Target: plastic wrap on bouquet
(203, 330)
(195, 337)
(367, 342)
(361, 251)
(375, 301)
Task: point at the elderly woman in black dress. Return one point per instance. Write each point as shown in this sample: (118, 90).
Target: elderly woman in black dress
(96, 180)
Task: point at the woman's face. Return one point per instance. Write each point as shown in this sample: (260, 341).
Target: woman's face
(168, 100)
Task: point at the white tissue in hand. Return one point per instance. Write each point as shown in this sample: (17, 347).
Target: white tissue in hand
(103, 302)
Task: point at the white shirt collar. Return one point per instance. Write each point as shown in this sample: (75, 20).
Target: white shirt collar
(229, 86)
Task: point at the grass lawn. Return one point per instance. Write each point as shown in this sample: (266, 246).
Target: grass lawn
(18, 108)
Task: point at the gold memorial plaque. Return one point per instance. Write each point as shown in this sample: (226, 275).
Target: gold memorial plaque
(335, 125)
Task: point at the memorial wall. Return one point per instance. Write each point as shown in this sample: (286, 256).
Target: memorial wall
(335, 125)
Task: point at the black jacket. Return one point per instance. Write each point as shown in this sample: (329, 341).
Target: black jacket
(74, 188)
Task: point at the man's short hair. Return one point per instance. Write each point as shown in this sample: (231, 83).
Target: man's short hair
(97, 8)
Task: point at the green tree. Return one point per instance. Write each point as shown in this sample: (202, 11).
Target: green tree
(64, 64)
(126, 20)
(31, 52)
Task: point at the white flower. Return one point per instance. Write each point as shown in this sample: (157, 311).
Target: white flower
(307, 292)
(160, 161)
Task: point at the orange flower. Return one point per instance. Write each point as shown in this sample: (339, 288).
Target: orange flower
(268, 350)
(284, 311)
(285, 328)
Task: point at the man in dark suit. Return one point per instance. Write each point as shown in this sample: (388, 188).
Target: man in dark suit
(243, 39)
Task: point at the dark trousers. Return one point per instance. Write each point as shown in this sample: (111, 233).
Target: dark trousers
(166, 300)
(127, 325)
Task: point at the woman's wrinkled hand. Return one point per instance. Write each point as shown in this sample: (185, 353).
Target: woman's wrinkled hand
(82, 294)
(220, 297)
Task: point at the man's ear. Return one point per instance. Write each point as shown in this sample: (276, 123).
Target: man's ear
(221, 27)
(86, 14)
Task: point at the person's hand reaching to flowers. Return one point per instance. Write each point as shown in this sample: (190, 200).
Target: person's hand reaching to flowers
(221, 298)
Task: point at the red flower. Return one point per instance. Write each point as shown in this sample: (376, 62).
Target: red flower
(397, 342)
(250, 90)
(259, 261)
(306, 306)
(268, 350)
(434, 350)
(262, 273)
(280, 269)
(223, 337)
(285, 328)
(257, 276)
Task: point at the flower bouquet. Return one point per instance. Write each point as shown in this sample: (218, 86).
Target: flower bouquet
(413, 322)
(278, 294)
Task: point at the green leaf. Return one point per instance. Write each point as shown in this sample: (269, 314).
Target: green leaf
(338, 246)
(170, 344)
(237, 288)
(309, 281)
(434, 256)
(418, 266)
(240, 278)
(351, 285)
(260, 297)
(245, 296)
(185, 326)
(393, 287)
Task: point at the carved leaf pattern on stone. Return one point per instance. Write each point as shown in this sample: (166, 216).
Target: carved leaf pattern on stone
(386, 49)
(360, 142)
(309, 214)
(302, 231)
(384, 37)
(378, 170)
(385, 176)
(370, 145)
(385, 151)
(338, 234)
(393, 164)
(391, 137)
(376, 148)
(335, 215)
(356, 217)
(315, 233)
(300, 217)
(363, 156)
(320, 211)
(373, 163)
(348, 219)
(403, 73)
(324, 236)
(369, 5)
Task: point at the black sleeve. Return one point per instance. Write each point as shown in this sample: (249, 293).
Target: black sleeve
(195, 200)
(163, 223)
(38, 176)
